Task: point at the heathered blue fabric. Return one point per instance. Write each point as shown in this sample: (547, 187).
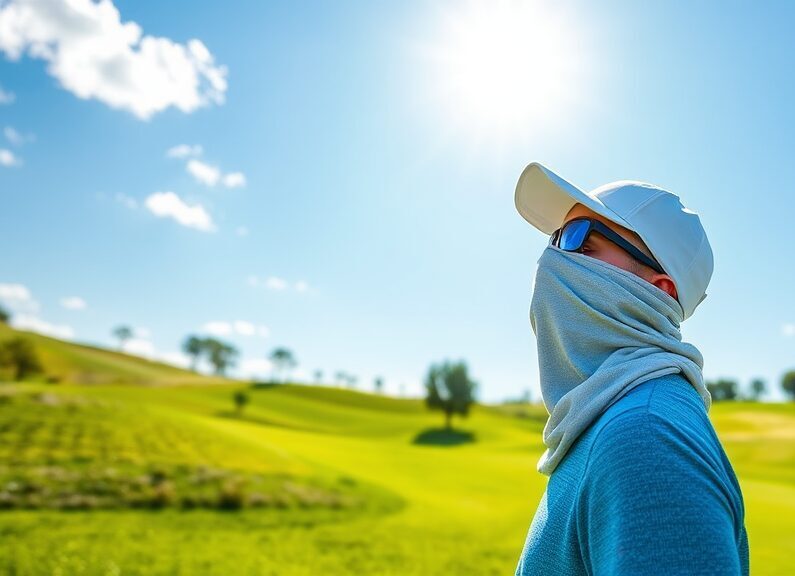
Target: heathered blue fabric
(647, 489)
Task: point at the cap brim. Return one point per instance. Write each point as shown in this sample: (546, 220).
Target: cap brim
(543, 198)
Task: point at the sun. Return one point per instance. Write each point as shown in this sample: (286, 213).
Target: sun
(499, 68)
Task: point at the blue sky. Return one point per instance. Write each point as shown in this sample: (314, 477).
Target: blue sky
(346, 181)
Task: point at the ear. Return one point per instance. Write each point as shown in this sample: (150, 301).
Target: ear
(664, 283)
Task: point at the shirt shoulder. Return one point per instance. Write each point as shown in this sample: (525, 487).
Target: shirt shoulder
(656, 481)
(670, 413)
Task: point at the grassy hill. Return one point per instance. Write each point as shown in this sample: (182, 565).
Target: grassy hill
(306, 480)
(74, 363)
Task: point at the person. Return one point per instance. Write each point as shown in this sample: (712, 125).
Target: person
(638, 481)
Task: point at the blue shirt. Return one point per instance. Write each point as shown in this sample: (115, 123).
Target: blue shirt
(646, 489)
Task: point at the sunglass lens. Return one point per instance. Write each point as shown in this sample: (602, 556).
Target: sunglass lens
(573, 234)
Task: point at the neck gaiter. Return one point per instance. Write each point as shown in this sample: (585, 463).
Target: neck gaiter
(601, 330)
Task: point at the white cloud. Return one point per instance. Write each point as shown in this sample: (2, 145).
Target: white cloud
(175, 359)
(18, 297)
(184, 151)
(127, 201)
(169, 205)
(17, 138)
(35, 324)
(241, 231)
(788, 329)
(210, 175)
(139, 347)
(203, 173)
(255, 368)
(245, 328)
(234, 180)
(143, 347)
(94, 55)
(7, 158)
(6, 97)
(238, 327)
(73, 303)
(275, 283)
(217, 328)
(20, 300)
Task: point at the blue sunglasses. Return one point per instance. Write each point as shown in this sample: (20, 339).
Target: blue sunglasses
(573, 234)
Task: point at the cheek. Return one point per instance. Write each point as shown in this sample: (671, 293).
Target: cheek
(616, 258)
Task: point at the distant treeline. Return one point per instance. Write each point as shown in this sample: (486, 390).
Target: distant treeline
(447, 385)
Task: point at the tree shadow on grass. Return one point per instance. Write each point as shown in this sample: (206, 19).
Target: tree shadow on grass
(444, 437)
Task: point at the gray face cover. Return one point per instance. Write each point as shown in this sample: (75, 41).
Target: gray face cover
(601, 330)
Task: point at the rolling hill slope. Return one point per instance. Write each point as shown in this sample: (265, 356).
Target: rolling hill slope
(429, 503)
(75, 363)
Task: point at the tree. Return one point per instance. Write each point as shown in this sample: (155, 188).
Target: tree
(340, 376)
(5, 315)
(352, 380)
(758, 388)
(723, 389)
(194, 347)
(449, 389)
(20, 355)
(220, 354)
(123, 333)
(283, 360)
(788, 384)
(318, 376)
(378, 384)
(241, 399)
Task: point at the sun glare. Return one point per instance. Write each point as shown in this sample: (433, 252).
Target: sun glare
(503, 68)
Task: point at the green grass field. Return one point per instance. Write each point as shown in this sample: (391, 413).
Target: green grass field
(132, 467)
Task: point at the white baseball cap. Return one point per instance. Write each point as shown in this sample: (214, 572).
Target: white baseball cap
(673, 233)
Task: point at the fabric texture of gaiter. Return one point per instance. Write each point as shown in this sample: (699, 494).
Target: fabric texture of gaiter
(601, 330)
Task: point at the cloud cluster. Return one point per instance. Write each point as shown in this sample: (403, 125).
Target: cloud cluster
(238, 327)
(73, 303)
(94, 55)
(18, 299)
(15, 138)
(36, 324)
(210, 175)
(184, 151)
(169, 205)
(255, 368)
(276, 283)
(203, 172)
(141, 345)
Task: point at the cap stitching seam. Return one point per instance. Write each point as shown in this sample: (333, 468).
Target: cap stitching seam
(695, 256)
(644, 202)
